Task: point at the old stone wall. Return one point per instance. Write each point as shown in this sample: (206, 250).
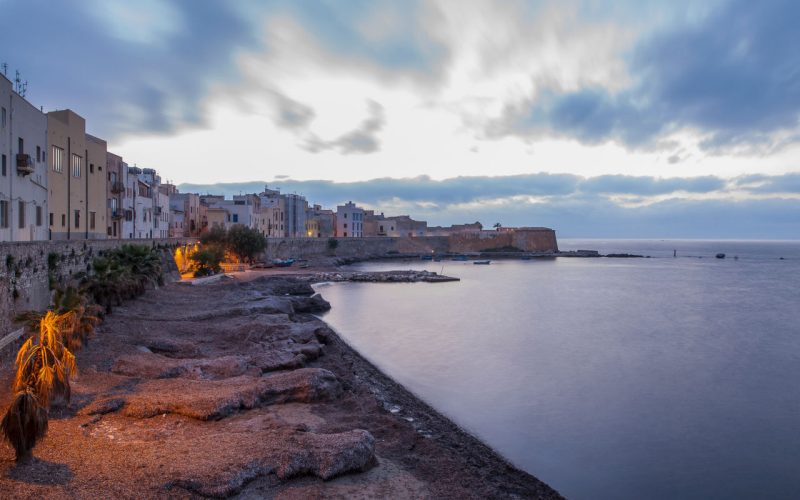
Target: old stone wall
(26, 269)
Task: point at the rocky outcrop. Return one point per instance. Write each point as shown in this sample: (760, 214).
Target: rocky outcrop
(215, 399)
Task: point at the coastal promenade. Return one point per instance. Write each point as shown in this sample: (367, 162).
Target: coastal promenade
(236, 388)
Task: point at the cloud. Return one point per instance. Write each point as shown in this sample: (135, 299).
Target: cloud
(734, 77)
(124, 74)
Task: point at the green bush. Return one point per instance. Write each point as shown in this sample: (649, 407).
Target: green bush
(207, 260)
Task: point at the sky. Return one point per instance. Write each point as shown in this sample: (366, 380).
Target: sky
(599, 119)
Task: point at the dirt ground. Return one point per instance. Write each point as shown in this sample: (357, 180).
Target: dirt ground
(234, 388)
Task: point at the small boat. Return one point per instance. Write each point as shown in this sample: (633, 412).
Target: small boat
(426, 257)
(720, 255)
(460, 258)
(482, 262)
(283, 262)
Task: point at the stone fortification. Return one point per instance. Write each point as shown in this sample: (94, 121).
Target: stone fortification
(533, 239)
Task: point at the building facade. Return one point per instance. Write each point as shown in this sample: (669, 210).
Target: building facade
(23, 168)
(349, 221)
(76, 181)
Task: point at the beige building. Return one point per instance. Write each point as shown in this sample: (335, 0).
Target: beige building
(77, 193)
(23, 168)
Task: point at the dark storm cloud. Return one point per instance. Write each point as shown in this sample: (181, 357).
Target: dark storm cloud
(72, 60)
(626, 184)
(459, 190)
(734, 76)
(124, 86)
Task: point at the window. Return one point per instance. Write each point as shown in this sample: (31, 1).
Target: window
(3, 214)
(57, 155)
(77, 219)
(4, 165)
(3, 117)
(51, 218)
(38, 216)
(77, 165)
(91, 220)
(38, 153)
(91, 168)
(345, 234)
(114, 207)
(345, 225)
(235, 217)
(21, 214)
(63, 220)
(20, 145)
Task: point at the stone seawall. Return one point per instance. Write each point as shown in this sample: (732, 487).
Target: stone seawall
(27, 267)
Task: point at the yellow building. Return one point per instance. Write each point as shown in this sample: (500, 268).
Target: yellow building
(76, 179)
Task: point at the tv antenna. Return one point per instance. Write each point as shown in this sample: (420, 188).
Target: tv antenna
(20, 87)
(5, 68)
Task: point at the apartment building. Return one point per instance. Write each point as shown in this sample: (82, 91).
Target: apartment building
(349, 221)
(272, 213)
(77, 193)
(320, 223)
(23, 168)
(115, 183)
(296, 207)
(189, 205)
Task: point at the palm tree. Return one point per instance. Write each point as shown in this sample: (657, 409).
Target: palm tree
(44, 368)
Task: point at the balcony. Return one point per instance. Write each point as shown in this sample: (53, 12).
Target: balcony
(157, 210)
(117, 187)
(116, 214)
(25, 164)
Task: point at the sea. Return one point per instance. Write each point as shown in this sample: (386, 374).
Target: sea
(672, 376)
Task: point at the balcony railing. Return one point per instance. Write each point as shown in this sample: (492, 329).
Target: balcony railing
(116, 214)
(117, 187)
(25, 164)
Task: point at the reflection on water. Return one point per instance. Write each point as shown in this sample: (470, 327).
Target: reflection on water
(607, 378)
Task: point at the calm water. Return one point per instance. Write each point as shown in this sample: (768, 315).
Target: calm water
(607, 378)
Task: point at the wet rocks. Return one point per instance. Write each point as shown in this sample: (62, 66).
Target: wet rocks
(315, 304)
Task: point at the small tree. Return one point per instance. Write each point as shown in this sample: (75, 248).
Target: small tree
(216, 235)
(245, 242)
(207, 260)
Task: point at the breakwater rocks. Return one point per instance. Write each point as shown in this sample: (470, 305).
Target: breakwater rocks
(383, 277)
(233, 388)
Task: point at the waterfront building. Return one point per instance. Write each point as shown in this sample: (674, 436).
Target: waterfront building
(130, 185)
(403, 225)
(76, 181)
(273, 208)
(349, 221)
(115, 181)
(320, 223)
(142, 206)
(188, 204)
(296, 207)
(23, 168)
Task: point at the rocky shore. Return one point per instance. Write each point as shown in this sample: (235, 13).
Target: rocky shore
(234, 388)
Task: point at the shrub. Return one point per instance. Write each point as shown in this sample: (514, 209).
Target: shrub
(207, 260)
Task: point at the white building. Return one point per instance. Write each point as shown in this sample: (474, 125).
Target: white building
(23, 170)
(349, 221)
